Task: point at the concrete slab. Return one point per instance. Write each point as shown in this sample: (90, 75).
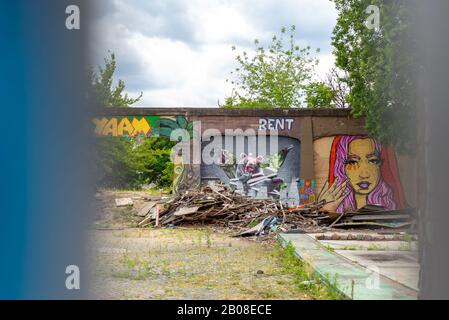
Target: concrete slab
(370, 245)
(376, 235)
(399, 266)
(353, 280)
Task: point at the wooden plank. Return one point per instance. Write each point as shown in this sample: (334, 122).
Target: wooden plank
(186, 211)
(145, 210)
(377, 217)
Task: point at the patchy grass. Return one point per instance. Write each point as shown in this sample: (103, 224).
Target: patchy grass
(188, 264)
(375, 247)
(151, 191)
(304, 278)
(403, 246)
(406, 246)
(252, 224)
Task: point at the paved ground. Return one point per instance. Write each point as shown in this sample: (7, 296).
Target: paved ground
(400, 266)
(186, 264)
(397, 260)
(364, 269)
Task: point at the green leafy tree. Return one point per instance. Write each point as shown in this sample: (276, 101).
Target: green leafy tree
(272, 77)
(115, 168)
(336, 81)
(129, 162)
(151, 162)
(319, 95)
(104, 93)
(381, 69)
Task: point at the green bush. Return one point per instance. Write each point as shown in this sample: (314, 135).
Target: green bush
(130, 163)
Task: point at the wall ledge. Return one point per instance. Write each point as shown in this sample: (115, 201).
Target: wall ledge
(252, 112)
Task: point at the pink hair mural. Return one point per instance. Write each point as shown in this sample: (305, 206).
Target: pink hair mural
(362, 172)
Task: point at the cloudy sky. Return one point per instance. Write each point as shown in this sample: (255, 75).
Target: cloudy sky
(178, 52)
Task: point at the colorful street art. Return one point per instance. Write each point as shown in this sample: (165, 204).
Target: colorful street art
(307, 191)
(256, 171)
(251, 173)
(360, 172)
(146, 126)
(185, 175)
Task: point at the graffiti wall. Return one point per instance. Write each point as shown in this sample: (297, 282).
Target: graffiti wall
(349, 171)
(185, 176)
(146, 126)
(354, 171)
(307, 192)
(254, 171)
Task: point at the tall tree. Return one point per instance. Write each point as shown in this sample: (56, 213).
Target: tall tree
(319, 95)
(336, 81)
(104, 93)
(127, 162)
(380, 66)
(333, 92)
(272, 77)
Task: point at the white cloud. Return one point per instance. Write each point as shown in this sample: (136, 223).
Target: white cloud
(187, 76)
(179, 52)
(326, 62)
(218, 22)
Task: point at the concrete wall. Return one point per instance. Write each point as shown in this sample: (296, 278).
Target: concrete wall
(309, 127)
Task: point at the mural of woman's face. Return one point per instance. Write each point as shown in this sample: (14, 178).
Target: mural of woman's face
(363, 165)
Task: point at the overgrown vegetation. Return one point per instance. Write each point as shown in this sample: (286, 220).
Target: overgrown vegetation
(376, 72)
(190, 264)
(304, 277)
(380, 66)
(319, 95)
(103, 92)
(274, 76)
(127, 162)
(280, 76)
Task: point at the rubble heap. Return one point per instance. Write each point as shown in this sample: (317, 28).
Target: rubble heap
(222, 207)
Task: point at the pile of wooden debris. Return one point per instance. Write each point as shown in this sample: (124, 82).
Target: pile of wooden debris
(374, 217)
(219, 206)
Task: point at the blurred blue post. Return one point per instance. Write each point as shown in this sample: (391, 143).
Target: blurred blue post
(44, 151)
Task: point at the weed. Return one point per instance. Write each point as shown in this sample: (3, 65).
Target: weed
(405, 246)
(317, 288)
(252, 224)
(269, 294)
(352, 248)
(375, 247)
(208, 239)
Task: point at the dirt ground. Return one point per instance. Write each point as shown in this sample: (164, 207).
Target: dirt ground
(185, 264)
(109, 216)
(181, 263)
